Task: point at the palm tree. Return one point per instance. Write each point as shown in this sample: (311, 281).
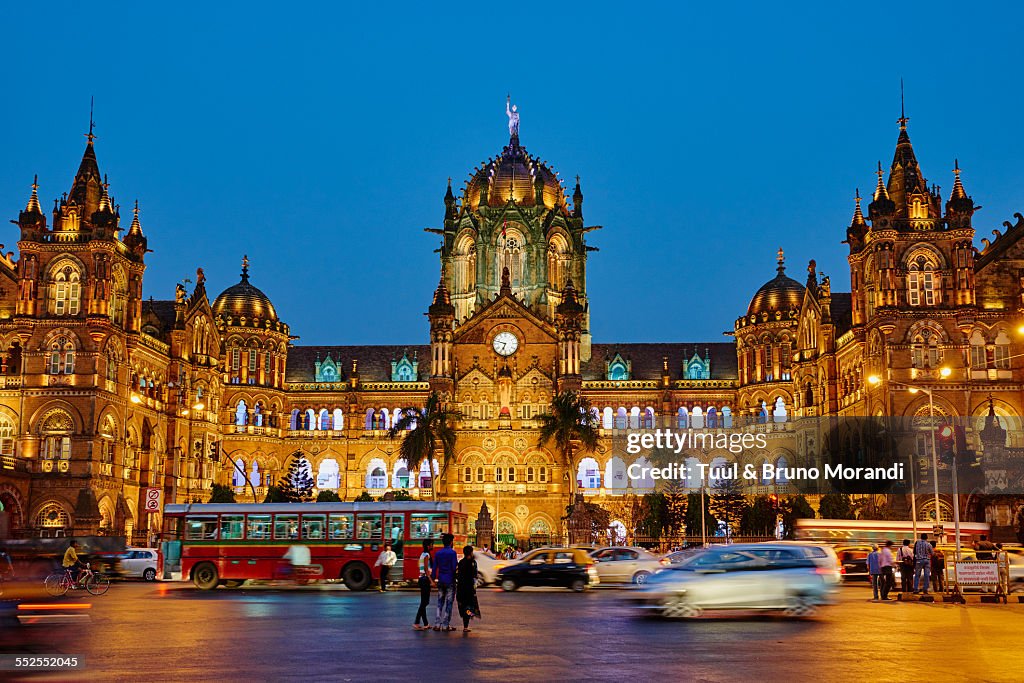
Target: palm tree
(427, 430)
(571, 420)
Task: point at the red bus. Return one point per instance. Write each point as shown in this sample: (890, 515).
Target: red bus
(230, 543)
(866, 531)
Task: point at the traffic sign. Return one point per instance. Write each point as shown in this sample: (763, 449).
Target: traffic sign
(152, 500)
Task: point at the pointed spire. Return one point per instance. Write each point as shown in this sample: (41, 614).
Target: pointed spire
(135, 240)
(958, 187)
(880, 190)
(33, 199)
(442, 304)
(104, 196)
(902, 120)
(782, 262)
(570, 302)
(245, 268)
(858, 216)
(136, 227)
(577, 199)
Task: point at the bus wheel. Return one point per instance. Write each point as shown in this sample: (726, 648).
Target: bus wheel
(234, 583)
(356, 576)
(204, 576)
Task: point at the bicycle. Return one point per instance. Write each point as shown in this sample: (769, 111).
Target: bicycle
(58, 584)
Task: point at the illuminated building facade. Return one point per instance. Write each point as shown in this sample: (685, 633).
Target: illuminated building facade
(104, 394)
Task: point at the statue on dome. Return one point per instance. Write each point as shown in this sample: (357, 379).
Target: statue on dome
(513, 117)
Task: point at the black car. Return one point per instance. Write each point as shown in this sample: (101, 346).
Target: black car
(560, 567)
(853, 562)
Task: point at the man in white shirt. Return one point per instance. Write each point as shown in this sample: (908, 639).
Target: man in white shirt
(386, 560)
(885, 564)
(297, 556)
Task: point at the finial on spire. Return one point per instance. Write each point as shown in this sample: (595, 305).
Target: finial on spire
(92, 123)
(880, 191)
(903, 113)
(245, 267)
(782, 261)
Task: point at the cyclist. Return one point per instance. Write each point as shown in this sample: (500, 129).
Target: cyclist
(71, 561)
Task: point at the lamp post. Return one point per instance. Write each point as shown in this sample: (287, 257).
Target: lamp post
(943, 373)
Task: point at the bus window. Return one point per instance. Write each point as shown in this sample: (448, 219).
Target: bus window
(341, 526)
(368, 525)
(459, 522)
(427, 525)
(201, 529)
(286, 527)
(231, 527)
(313, 526)
(259, 527)
(395, 524)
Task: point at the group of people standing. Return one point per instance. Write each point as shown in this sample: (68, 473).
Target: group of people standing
(455, 580)
(921, 566)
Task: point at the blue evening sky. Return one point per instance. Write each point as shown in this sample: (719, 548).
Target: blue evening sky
(317, 138)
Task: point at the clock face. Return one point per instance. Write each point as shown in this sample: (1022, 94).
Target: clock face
(505, 343)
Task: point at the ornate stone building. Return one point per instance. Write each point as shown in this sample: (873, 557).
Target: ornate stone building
(104, 395)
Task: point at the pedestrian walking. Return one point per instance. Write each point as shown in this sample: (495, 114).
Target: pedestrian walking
(386, 560)
(905, 559)
(938, 569)
(922, 565)
(465, 588)
(874, 570)
(887, 564)
(446, 563)
(425, 584)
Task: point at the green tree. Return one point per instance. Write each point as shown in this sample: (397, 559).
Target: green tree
(728, 502)
(692, 517)
(793, 509)
(275, 495)
(836, 506)
(427, 433)
(590, 518)
(220, 493)
(759, 517)
(363, 497)
(297, 484)
(675, 506)
(328, 496)
(570, 421)
(653, 518)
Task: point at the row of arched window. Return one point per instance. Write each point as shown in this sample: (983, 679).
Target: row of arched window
(694, 417)
(615, 474)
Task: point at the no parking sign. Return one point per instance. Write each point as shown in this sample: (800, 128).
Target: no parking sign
(153, 498)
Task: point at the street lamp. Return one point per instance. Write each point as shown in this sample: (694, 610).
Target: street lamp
(943, 373)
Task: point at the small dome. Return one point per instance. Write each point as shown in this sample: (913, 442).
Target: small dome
(781, 293)
(514, 174)
(244, 301)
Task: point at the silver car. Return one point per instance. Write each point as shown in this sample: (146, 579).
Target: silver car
(793, 578)
(626, 565)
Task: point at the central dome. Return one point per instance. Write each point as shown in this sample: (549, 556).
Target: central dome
(515, 175)
(244, 301)
(781, 293)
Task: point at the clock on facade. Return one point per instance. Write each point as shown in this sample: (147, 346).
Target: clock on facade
(505, 343)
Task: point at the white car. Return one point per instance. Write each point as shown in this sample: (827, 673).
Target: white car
(487, 567)
(627, 565)
(140, 563)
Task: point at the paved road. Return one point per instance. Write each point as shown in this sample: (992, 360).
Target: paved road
(156, 632)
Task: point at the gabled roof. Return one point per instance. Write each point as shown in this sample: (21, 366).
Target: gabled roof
(841, 309)
(374, 361)
(646, 359)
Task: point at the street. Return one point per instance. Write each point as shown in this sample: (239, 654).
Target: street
(170, 631)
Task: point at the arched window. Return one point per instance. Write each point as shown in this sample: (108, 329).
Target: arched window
(1002, 351)
(254, 473)
(620, 418)
(979, 361)
(779, 410)
(682, 418)
(510, 255)
(607, 420)
(238, 473)
(697, 418)
(310, 420)
(924, 350)
(921, 283)
(425, 477)
(296, 421)
(52, 516)
(376, 474)
(62, 356)
(712, 417)
(118, 296)
(56, 433)
(588, 474)
(634, 417)
(329, 474)
(324, 420)
(339, 420)
(241, 414)
(781, 479)
(66, 291)
(6, 436)
(648, 418)
(726, 417)
(257, 414)
(401, 478)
